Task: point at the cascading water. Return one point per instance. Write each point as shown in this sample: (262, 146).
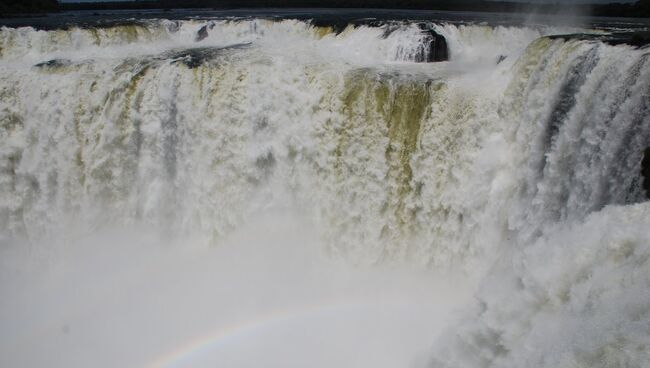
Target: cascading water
(518, 162)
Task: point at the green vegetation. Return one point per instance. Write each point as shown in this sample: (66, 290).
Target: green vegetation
(28, 6)
(639, 9)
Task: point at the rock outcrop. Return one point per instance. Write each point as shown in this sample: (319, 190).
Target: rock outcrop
(645, 171)
(435, 48)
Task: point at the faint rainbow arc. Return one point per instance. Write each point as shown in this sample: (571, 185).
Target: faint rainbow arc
(204, 342)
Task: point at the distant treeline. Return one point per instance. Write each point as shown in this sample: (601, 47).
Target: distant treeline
(638, 9)
(28, 6)
(477, 5)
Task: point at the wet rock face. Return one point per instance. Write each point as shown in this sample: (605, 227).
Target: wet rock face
(197, 56)
(438, 50)
(202, 33)
(645, 171)
(436, 47)
(639, 39)
(636, 38)
(54, 63)
(337, 25)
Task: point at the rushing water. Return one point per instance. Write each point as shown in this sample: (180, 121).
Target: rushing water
(273, 180)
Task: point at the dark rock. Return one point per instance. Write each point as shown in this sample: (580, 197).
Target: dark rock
(337, 25)
(53, 64)
(645, 171)
(202, 33)
(438, 48)
(637, 38)
(501, 58)
(435, 48)
(195, 57)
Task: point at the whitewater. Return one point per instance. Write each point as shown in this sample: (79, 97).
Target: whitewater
(248, 191)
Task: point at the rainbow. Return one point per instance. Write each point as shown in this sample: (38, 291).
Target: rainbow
(203, 344)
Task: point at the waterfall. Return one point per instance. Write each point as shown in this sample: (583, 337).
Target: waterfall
(517, 161)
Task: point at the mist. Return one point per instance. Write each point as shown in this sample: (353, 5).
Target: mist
(268, 295)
